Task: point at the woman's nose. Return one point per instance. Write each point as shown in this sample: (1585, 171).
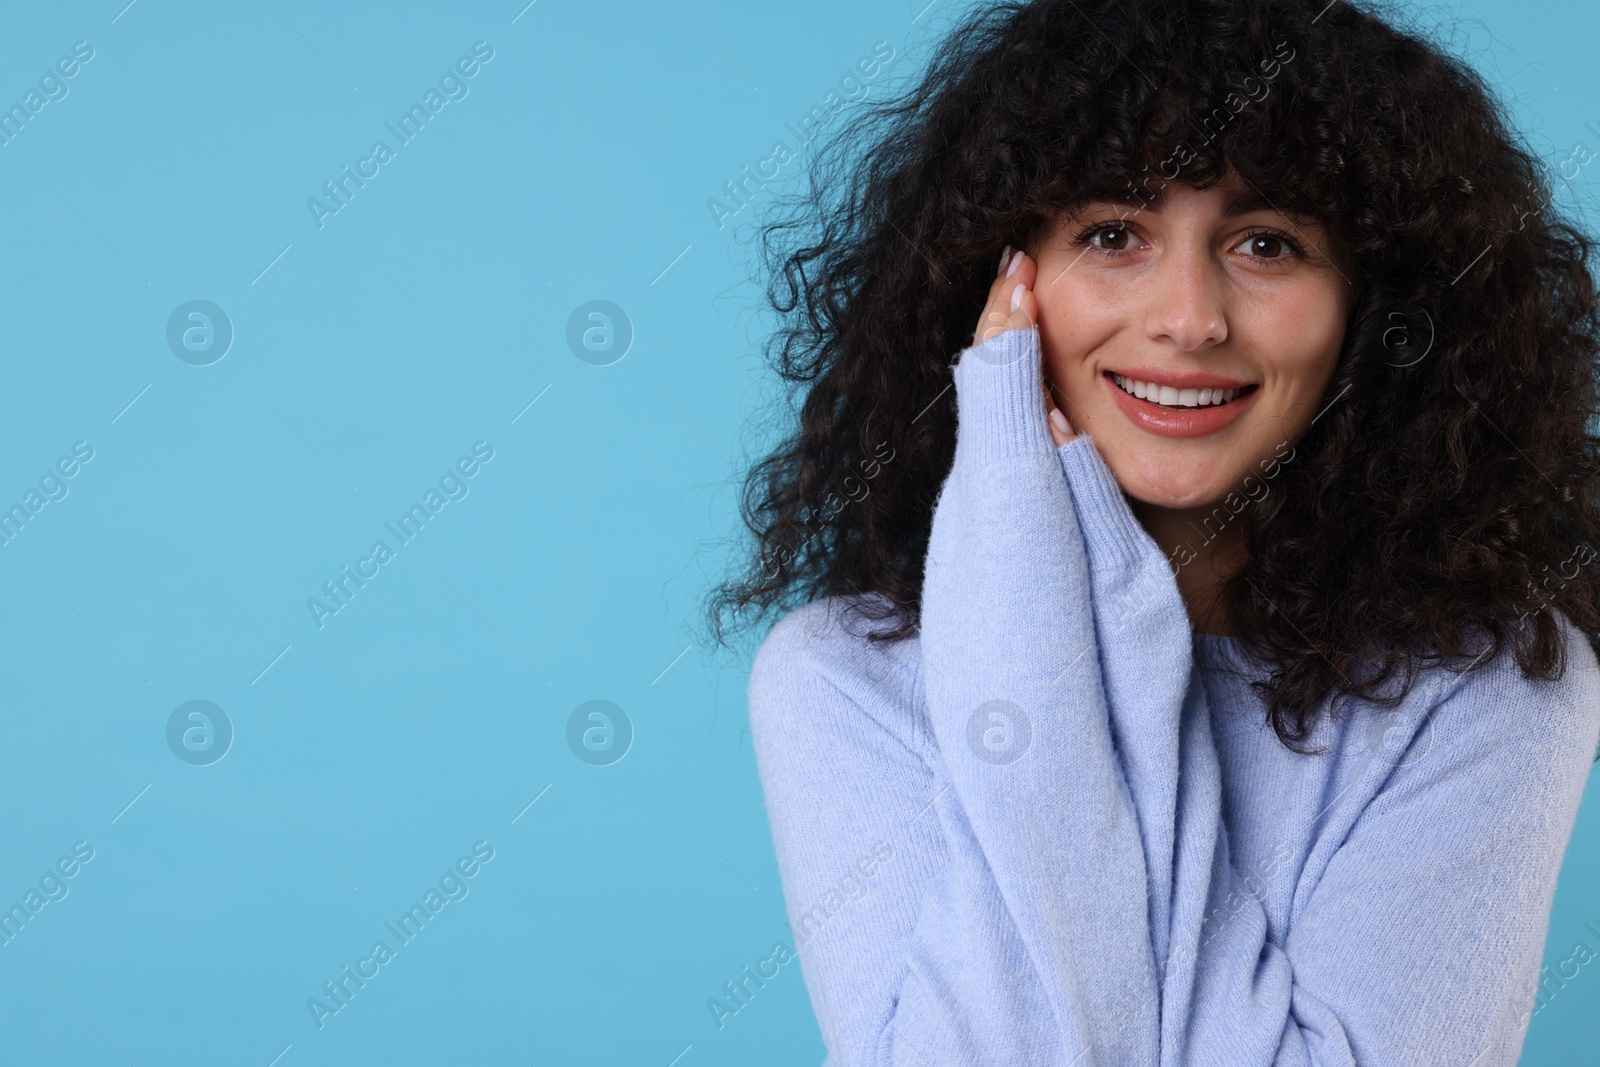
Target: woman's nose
(1186, 304)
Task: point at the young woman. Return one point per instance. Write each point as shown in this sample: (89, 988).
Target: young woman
(1193, 513)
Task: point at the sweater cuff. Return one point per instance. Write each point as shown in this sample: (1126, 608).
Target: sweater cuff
(1114, 535)
(1000, 397)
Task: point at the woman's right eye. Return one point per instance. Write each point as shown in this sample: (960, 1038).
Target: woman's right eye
(1113, 235)
(1108, 238)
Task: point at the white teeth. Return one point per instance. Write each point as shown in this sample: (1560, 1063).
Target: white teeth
(1173, 398)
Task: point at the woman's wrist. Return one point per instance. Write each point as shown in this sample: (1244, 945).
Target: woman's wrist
(999, 407)
(1113, 534)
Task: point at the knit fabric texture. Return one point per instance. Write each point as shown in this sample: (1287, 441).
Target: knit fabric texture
(1054, 827)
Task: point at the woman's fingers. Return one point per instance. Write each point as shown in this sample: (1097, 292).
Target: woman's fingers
(1011, 303)
(1061, 430)
(1012, 306)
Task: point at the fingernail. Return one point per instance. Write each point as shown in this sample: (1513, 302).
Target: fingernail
(1004, 258)
(1059, 421)
(1014, 261)
(1016, 296)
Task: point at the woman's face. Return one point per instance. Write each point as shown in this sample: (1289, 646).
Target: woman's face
(1197, 293)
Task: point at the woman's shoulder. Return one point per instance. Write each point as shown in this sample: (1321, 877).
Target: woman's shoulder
(818, 670)
(1496, 700)
(1481, 681)
(1501, 677)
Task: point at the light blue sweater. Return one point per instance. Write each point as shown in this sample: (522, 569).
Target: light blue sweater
(1054, 827)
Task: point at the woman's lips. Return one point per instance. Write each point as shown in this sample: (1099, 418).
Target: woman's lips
(1178, 422)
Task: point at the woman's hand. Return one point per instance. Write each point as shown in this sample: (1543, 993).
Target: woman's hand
(1012, 306)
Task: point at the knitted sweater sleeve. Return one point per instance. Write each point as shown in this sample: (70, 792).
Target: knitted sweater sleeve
(1080, 905)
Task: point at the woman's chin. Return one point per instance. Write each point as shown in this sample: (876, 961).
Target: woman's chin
(1162, 489)
(1181, 501)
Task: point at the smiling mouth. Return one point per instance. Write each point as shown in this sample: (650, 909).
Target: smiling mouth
(1166, 396)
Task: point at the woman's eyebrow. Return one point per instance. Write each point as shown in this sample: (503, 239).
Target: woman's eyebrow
(1239, 204)
(1245, 203)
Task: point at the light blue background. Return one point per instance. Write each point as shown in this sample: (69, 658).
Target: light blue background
(369, 355)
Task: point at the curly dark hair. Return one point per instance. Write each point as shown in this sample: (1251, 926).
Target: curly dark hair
(1449, 491)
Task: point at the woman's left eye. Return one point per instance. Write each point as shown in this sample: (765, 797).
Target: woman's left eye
(1268, 245)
